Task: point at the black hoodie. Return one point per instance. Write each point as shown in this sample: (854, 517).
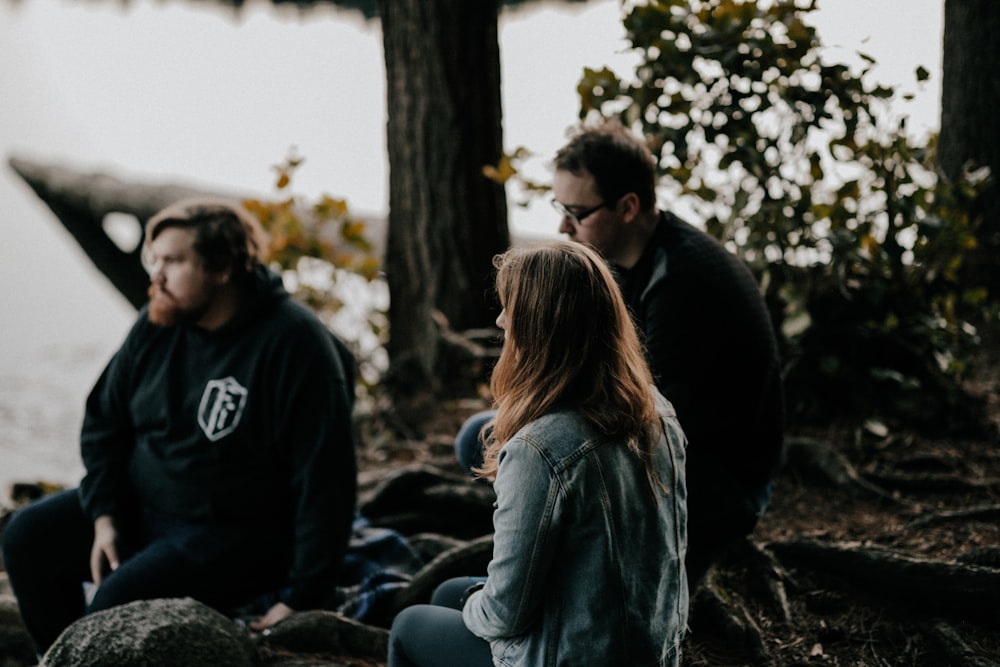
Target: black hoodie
(246, 424)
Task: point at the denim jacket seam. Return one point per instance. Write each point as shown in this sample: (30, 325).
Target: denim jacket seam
(542, 538)
(556, 488)
(558, 465)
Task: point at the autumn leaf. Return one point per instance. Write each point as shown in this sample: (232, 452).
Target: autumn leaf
(502, 172)
(329, 207)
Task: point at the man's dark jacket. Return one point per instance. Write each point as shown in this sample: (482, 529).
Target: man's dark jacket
(712, 349)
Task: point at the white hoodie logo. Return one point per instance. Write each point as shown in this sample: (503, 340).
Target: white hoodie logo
(221, 407)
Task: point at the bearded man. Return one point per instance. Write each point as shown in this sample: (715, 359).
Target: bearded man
(217, 444)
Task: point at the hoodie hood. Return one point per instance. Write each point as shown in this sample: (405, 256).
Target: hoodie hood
(263, 292)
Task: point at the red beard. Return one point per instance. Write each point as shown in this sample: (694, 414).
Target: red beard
(164, 309)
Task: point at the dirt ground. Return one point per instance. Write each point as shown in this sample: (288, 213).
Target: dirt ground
(835, 618)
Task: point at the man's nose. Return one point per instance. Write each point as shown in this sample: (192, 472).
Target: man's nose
(156, 272)
(566, 225)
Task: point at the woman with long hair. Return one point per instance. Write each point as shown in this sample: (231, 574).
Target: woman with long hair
(587, 461)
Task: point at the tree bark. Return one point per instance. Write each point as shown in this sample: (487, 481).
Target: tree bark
(446, 220)
(970, 127)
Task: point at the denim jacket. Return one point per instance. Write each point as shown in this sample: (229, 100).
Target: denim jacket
(588, 555)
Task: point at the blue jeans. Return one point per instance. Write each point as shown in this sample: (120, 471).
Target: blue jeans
(434, 635)
(468, 444)
(46, 552)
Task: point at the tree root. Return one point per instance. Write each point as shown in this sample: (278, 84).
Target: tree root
(819, 464)
(981, 556)
(981, 513)
(763, 576)
(469, 559)
(431, 545)
(325, 633)
(948, 647)
(963, 591)
(927, 483)
(721, 624)
(726, 609)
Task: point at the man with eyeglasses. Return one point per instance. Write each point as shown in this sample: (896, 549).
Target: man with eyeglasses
(708, 336)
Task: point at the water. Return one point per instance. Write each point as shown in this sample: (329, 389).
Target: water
(190, 93)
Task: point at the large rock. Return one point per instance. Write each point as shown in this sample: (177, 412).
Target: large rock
(154, 633)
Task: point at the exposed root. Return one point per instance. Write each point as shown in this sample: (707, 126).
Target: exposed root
(468, 559)
(723, 630)
(982, 513)
(948, 647)
(964, 591)
(817, 463)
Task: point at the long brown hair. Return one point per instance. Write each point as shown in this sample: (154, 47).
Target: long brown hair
(570, 344)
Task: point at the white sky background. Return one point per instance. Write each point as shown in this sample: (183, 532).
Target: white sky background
(186, 92)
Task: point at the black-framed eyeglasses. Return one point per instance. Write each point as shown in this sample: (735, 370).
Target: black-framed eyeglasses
(576, 216)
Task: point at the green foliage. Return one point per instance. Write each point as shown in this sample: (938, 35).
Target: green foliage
(327, 262)
(796, 164)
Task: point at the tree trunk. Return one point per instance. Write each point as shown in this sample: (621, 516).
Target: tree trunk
(970, 127)
(446, 220)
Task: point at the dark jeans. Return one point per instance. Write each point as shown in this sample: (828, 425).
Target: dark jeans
(717, 518)
(46, 552)
(434, 635)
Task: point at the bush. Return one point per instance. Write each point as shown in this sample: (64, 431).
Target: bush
(327, 262)
(798, 166)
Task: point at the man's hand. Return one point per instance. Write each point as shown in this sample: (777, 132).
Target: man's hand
(278, 612)
(104, 553)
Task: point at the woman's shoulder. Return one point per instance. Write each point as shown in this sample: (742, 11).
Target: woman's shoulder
(556, 437)
(663, 406)
(552, 424)
(674, 432)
